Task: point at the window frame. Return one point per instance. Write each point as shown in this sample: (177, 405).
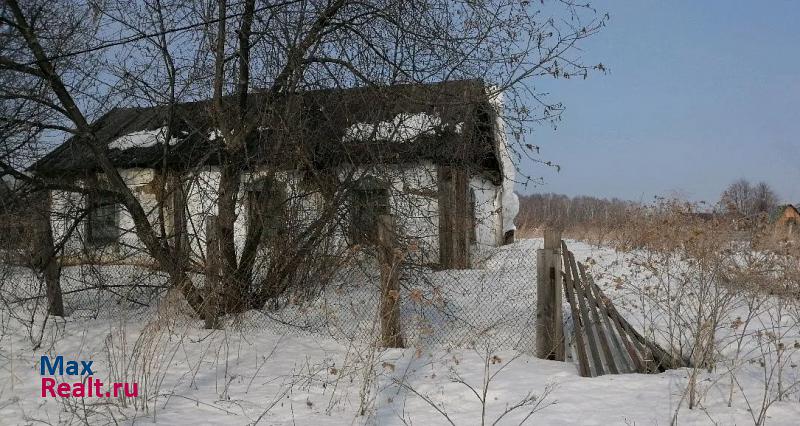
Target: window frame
(97, 202)
(267, 195)
(369, 200)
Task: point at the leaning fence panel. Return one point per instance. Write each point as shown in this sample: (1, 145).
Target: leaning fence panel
(598, 327)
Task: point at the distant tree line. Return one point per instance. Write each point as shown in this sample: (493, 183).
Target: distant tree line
(581, 213)
(537, 210)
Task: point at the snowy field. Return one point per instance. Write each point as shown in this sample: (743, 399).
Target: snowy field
(247, 374)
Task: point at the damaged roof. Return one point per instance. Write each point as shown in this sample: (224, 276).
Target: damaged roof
(324, 128)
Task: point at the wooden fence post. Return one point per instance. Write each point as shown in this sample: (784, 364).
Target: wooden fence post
(391, 334)
(549, 323)
(211, 287)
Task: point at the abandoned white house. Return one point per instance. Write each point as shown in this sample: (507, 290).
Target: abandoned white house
(434, 156)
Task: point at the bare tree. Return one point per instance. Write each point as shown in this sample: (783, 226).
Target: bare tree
(764, 198)
(743, 198)
(62, 66)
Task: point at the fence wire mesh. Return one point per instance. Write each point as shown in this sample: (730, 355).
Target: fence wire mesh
(492, 304)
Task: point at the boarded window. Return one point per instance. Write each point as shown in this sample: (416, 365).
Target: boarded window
(370, 200)
(266, 200)
(101, 225)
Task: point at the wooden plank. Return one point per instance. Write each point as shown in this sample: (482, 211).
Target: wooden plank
(632, 349)
(556, 276)
(664, 359)
(549, 316)
(454, 217)
(660, 356)
(617, 337)
(580, 348)
(545, 345)
(590, 336)
(552, 239)
(599, 324)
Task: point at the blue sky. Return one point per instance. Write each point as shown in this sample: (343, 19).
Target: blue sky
(699, 93)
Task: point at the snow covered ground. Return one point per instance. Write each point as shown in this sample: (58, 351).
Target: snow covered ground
(248, 374)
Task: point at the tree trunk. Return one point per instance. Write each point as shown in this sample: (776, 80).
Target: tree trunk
(52, 276)
(236, 281)
(144, 229)
(391, 334)
(211, 306)
(44, 258)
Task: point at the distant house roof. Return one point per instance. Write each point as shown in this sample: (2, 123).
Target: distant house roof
(777, 212)
(328, 127)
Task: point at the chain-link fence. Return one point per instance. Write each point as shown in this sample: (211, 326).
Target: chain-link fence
(491, 304)
(87, 289)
